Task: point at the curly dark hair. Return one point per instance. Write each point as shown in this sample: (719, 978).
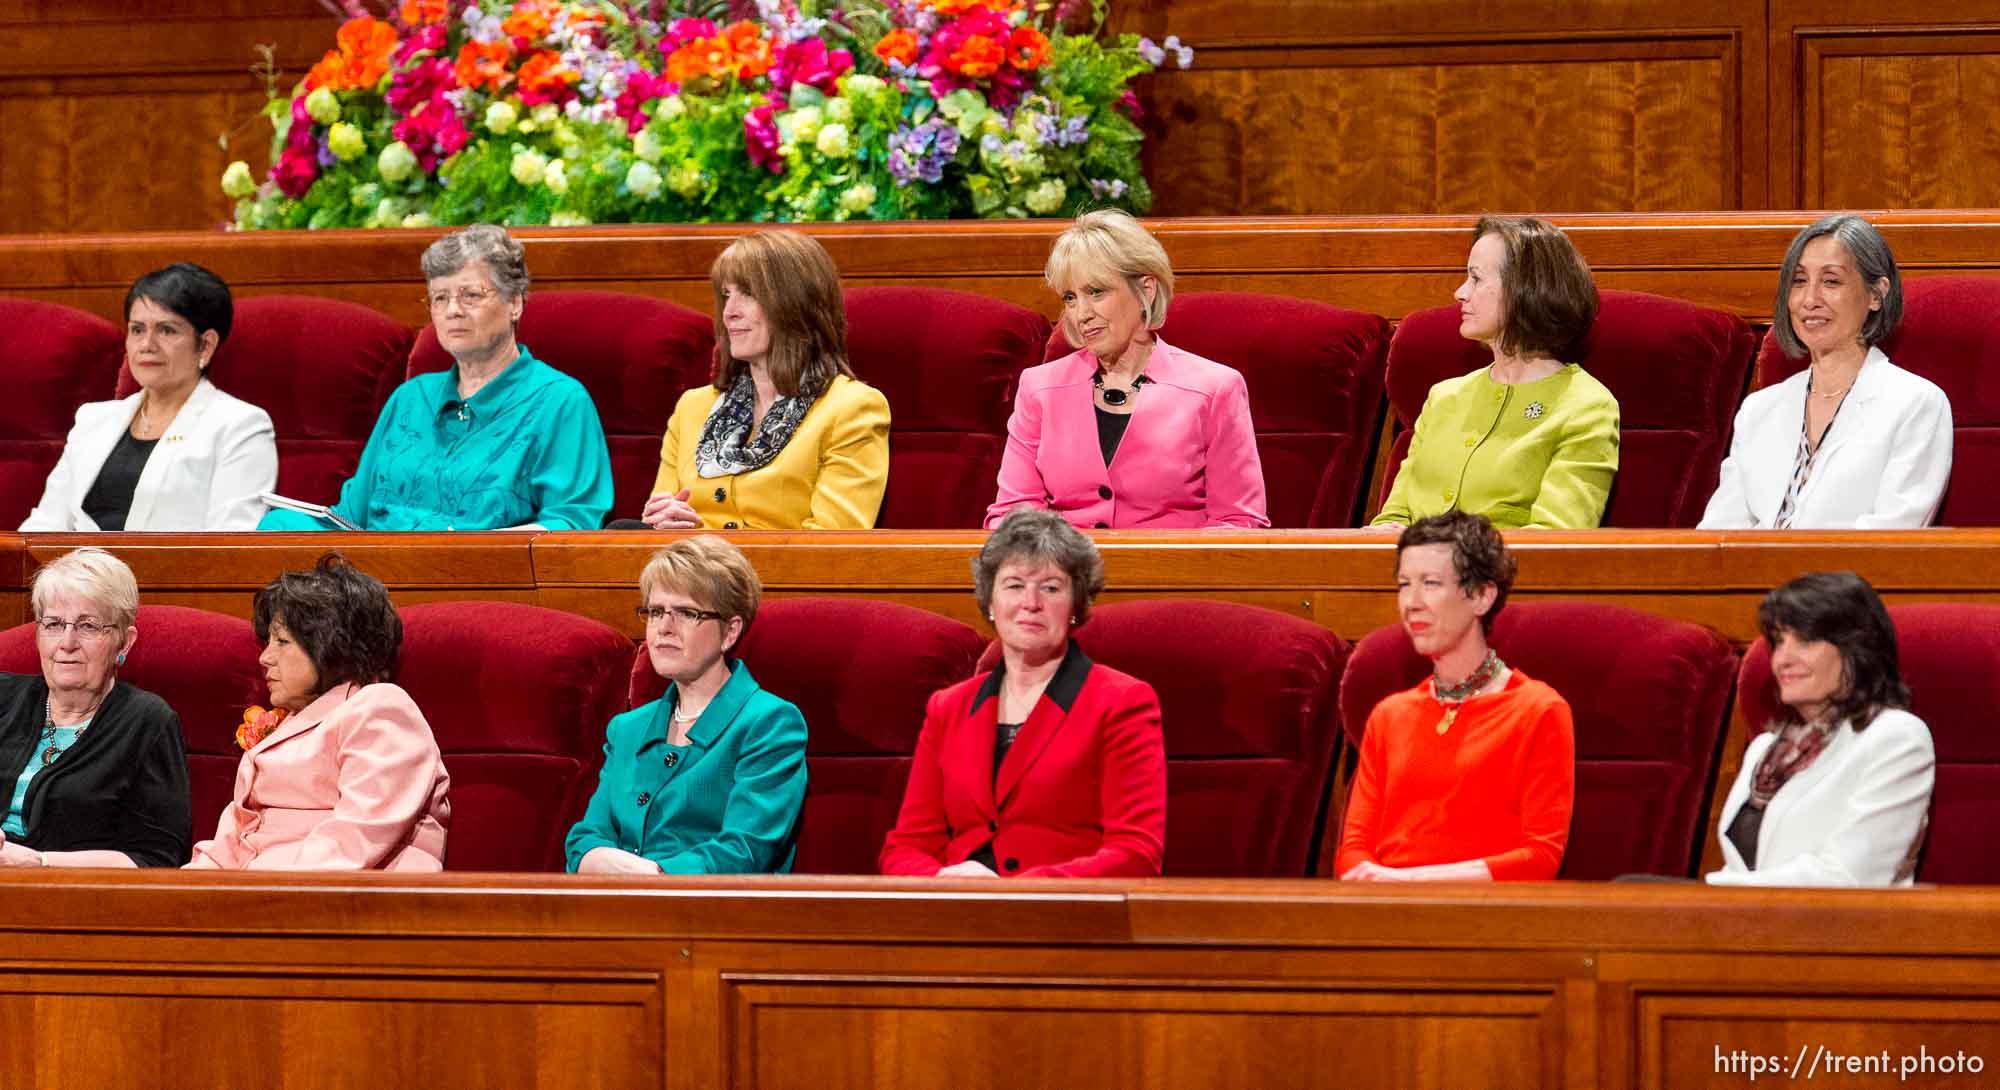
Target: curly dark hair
(1478, 556)
(340, 616)
(1840, 608)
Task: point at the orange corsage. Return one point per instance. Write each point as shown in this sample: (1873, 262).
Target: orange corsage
(258, 724)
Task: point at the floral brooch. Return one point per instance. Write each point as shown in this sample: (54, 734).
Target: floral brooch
(1534, 410)
(258, 724)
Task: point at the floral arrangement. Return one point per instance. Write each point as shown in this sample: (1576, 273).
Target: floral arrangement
(258, 724)
(605, 111)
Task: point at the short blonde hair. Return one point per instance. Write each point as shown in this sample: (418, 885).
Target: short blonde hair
(1108, 243)
(709, 570)
(95, 576)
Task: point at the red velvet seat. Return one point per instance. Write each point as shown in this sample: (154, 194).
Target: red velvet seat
(1248, 704)
(58, 358)
(860, 671)
(1948, 335)
(1677, 370)
(1650, 700)
(1314, 373)
(947, 361)
(517, 697)
(1950, 656)
(634, 353)
(204, 665)
(322, 368)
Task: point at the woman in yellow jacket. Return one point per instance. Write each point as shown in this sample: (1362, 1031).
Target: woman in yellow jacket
(1529, 441)
(786, 438)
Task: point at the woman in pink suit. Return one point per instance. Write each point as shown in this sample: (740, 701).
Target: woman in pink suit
(1127, 432)
(342, 773)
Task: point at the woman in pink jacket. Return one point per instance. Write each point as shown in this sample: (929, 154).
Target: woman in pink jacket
(1127, 432)
(342, 773)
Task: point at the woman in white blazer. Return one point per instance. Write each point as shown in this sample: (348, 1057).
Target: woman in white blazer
(179, 454)
(1838, 791)
(1852, 442)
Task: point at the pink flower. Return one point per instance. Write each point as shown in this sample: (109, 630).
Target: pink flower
(809, 62)
(1128, 104)
(682, 31)
(760, 139)
(429, 38)
(420, 83)
(434, 131)
(641, 88)
(296, 171)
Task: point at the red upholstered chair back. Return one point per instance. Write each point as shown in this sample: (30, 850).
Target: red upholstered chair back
(65, 357)
(517, 697)
(1314, 373)
(635, 354)
(1248, 704)
(204, 665)
(322, 368)
(860, 671)
(1950, 656)
(1677, 370)
(1948, 335)
(1650, 700)
(947, 361)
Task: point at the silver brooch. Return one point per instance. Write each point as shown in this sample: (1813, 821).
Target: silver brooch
(1534, 410)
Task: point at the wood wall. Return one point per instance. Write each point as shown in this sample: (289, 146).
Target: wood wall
(109, 116)
(222, 980)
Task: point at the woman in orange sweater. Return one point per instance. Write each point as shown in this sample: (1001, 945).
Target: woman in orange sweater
(1470, 776)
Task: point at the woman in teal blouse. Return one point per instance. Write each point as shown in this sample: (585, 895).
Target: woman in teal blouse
(709, 778)
(499, 441)
(1527, 441)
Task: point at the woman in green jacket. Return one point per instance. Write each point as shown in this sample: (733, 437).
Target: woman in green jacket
(709, 778)
(1528, 441)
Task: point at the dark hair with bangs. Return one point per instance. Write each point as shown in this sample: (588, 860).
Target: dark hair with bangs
(795, 284)
(190, 291)
(1840, 608)
(340, 616)
(1478, 555)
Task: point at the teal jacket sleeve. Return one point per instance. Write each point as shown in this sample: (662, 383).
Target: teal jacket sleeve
(762, 810)
(571, 487)
(595, 831)
(354, 495)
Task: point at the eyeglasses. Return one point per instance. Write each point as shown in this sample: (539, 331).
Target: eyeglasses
(468, 299)
(54, 627)
(682, 615)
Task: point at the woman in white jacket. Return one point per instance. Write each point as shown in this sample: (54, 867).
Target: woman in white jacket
(1838, 791)
(179, 454)
(1853, 442)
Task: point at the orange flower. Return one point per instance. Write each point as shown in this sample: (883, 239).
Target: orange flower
(423, 12)
(257, 725)
(898, 45)
(699, 59)
(484, 64)
(543, 77)
(530, 19)
(979, 56)
(1028, 49)
(752, 51)
(360, 59)
(960, 7)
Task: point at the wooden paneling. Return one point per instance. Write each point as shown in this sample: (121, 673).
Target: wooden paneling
(156, 979)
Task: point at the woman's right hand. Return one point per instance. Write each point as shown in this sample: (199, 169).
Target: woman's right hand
(607, 860)
(971, 868)
(670, 511)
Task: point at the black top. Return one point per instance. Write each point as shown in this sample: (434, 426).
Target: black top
(1003, 740)
(1110, 430)
(1743, 830)
(123, 785)
(110, 497)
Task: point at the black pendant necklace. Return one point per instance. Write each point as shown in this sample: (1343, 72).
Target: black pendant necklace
(1112, 395)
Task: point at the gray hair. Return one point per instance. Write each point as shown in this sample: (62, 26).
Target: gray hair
(95, 576)
(1033, 535)
(1872, 260)
(1110, 243)
(505, 262)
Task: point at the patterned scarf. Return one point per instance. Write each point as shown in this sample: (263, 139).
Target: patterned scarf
(1798, 745)
(726, 449)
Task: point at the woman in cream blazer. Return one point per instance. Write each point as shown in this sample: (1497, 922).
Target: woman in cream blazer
(208, 472)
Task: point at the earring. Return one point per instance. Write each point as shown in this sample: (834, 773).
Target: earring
(121, 658)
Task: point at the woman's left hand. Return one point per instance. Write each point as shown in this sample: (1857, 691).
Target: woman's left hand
(1376, 872)
(608, 860)
(18, 855)
(971, 868)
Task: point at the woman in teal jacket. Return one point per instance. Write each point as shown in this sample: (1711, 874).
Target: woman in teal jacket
(709, 778)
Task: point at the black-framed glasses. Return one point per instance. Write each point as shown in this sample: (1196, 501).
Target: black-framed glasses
(468, 299)
(682, 615)
(88, 630)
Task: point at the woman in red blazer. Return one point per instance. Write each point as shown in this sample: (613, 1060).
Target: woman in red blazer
(1049, 765)
(1128, 432)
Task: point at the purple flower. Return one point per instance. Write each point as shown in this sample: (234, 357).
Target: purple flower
(1152, 54)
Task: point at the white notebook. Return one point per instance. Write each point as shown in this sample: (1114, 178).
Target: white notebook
(286, 503)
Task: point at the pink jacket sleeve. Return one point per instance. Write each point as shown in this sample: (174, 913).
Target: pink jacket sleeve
(387, 767)
(1235, 472)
